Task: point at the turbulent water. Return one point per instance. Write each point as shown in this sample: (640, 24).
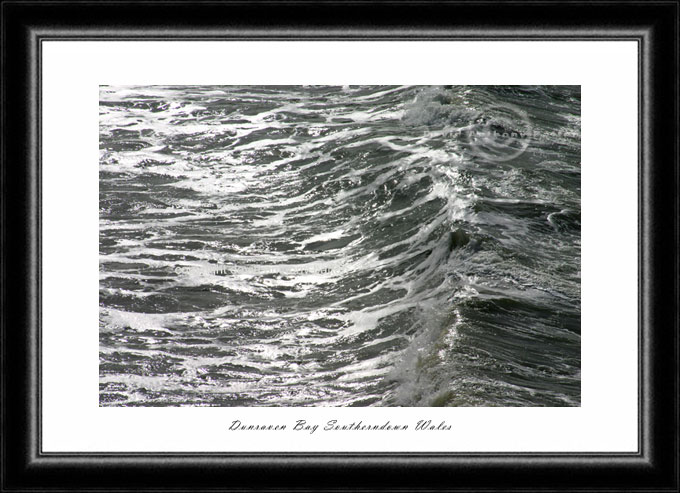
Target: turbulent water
(340, 246)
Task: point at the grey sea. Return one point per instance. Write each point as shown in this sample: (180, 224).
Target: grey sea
(340, 246)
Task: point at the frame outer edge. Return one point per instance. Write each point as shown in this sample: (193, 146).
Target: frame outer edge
(36, 468)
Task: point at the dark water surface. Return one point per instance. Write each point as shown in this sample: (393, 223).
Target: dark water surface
(340, 246)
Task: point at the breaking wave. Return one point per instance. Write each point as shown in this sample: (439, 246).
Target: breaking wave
(338, 246)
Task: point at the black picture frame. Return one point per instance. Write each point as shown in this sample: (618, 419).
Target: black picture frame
(654, 25)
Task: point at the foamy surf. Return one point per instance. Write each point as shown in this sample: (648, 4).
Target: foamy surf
(339, 246)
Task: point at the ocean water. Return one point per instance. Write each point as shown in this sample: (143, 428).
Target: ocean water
(340, 246)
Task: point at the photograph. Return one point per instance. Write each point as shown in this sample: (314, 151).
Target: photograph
(340, 246)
